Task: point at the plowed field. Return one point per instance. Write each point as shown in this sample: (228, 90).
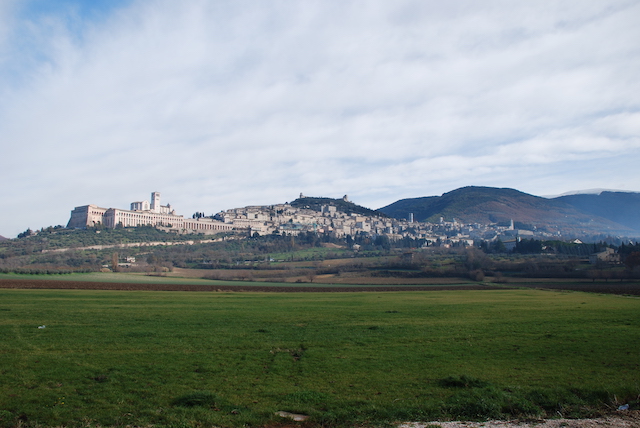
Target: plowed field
(88, 285)
(624, 288)
(628, 288)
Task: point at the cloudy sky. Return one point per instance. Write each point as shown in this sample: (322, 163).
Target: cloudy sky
(220, 104)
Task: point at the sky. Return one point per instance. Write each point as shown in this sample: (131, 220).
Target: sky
(221, 104)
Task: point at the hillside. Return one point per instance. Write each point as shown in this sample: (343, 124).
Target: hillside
(52, 239)
(341, 205)
(621, 207)
(495, 205)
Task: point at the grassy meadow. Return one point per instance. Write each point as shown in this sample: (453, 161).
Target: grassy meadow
(108, 358)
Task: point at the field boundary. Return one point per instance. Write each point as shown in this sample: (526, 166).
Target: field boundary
(90, 285)
(617, 288)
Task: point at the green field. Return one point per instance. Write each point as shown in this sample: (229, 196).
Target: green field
(109, 358)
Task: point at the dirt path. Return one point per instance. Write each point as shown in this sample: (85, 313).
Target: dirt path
(627, 419)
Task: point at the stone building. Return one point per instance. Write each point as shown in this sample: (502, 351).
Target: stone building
(143, 213)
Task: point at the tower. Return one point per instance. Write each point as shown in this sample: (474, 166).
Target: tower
(155, 202)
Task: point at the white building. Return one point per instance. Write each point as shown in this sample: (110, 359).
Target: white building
(144, 213)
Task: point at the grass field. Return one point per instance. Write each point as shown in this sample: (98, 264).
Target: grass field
(110, 358)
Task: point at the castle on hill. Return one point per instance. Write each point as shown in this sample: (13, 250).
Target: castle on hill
(144, 213)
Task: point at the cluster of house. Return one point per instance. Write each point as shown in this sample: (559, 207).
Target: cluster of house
(284, 219)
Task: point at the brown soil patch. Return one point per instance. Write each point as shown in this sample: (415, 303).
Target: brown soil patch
(628, 288)
(604, 288)
(87, 285)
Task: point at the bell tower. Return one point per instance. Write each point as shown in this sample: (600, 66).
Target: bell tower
(155, 202)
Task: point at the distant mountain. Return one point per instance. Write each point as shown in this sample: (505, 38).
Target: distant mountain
(2, 238)
(498, 205)
(342, 205)
(620, 207)
(581, 192)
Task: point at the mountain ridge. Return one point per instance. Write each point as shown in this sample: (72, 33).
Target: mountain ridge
(620, 207)
(595, 191)
(477, 204)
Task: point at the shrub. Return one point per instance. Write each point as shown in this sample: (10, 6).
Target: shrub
(476, 275)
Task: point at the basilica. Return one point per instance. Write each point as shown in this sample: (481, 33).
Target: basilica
(144, 213)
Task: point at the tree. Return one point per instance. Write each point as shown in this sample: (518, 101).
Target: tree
(114, 262)
(382, 241)
(632, 260)
(26, 233)
(498, 247)
(476, 259)
(528, 246)
(311, 275)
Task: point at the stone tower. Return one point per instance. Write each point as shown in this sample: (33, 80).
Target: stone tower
(155, 202)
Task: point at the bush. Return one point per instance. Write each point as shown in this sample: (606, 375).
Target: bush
(476, 275)
(498, 278)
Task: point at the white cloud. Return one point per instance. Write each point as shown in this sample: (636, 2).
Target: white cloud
(220, 104)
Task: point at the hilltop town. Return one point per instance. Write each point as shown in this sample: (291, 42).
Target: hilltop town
(337, 218)
(286, 219)
(149, 236)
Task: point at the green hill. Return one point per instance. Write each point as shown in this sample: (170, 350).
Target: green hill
(314, 203)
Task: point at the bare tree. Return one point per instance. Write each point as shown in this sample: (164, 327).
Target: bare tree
(311, 275)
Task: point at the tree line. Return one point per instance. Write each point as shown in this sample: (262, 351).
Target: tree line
(28, 254)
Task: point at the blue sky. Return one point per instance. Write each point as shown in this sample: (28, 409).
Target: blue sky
(221, 104)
